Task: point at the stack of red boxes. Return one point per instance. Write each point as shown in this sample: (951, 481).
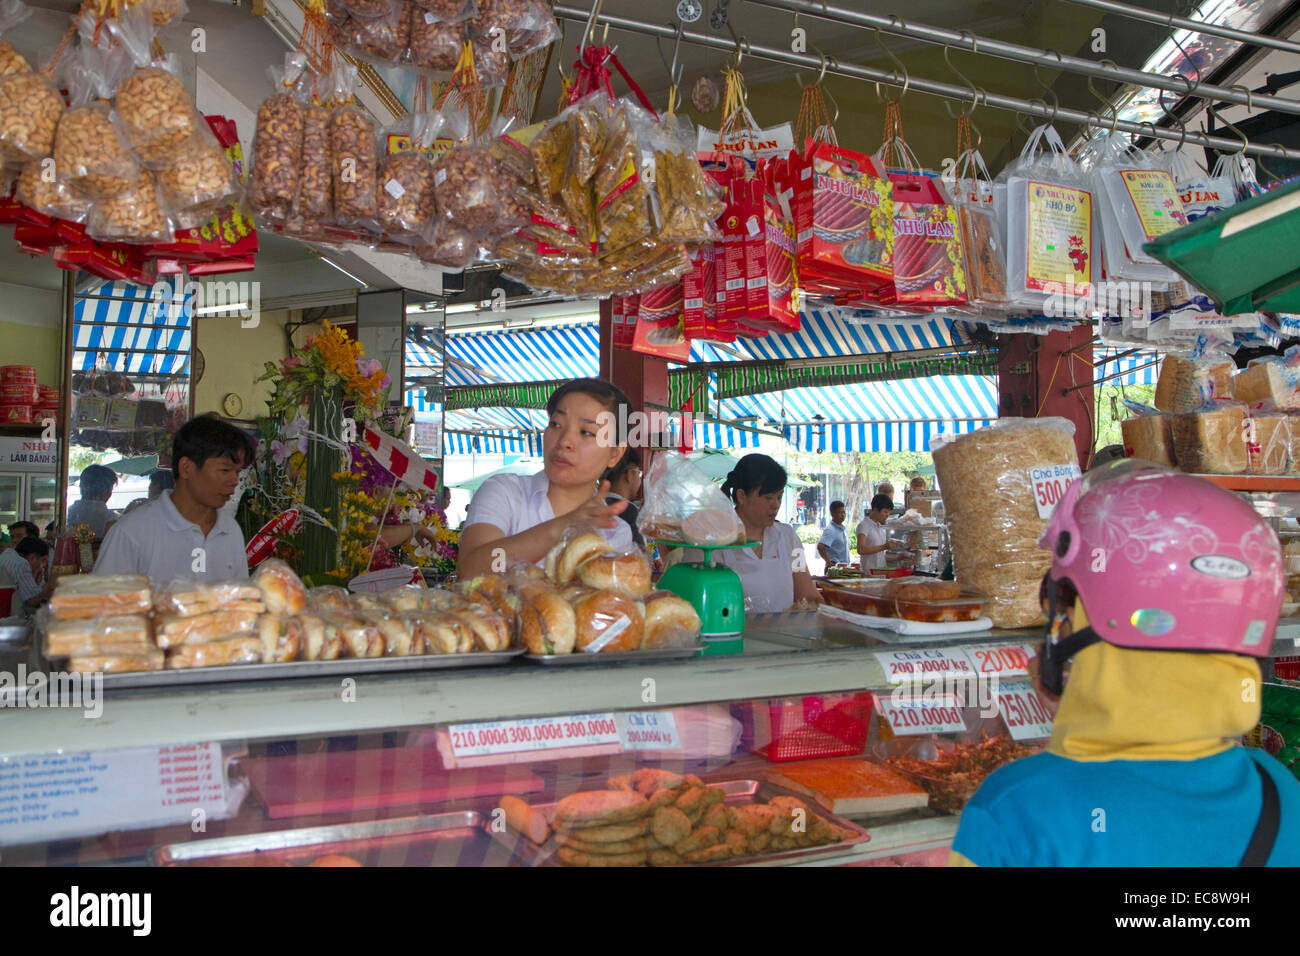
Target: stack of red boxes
(49, 406)
(19, 394)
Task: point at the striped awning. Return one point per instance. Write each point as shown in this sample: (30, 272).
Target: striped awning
(1132, 365)
(119, 327)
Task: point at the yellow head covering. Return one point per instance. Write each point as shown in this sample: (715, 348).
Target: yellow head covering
(1123, 704)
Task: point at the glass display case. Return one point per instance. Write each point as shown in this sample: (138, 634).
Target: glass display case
(921, 547)
(419, 768)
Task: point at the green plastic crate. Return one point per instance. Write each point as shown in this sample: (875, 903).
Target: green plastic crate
(1246, 257)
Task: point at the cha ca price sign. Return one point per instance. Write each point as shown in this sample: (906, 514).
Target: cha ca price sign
(1050, 482)
(931, 663)
(649, 730)
(532, 734)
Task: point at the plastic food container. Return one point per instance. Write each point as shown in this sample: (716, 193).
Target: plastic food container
(19, 394)
(891, 572)
(799, 728)
(16, 414)
(17, 374)
(868, 597)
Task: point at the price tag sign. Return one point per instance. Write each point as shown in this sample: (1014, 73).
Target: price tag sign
(1023, 710)
(532, 733)
(936, 663)
(649, 730)
(908, 715)
(1050, 483)
(1006, 660)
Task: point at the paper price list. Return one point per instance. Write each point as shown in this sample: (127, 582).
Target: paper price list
(189, 775)
(538, 733)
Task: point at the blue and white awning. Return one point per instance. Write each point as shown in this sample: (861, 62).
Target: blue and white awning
(1132, 365)
(119, 326)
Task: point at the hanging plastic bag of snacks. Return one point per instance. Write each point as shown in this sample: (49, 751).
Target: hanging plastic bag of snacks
(12, 13)
(1052, 224)
(406, 201)
(435, 44)
(981, 227)
(448, 11)
(352, 145)
(91, 152)
(133, 215)
(278, 143)
(1139, 202)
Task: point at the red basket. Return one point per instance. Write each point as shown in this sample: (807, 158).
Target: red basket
(800, 728)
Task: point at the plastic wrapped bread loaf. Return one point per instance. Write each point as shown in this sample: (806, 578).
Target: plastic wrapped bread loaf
(1266, 382)
(1150, 437)
(1187, 383)
(993, 513)
(1268, 443)
(1211, 442)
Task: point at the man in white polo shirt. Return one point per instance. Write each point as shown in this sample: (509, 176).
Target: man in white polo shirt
(184, 533)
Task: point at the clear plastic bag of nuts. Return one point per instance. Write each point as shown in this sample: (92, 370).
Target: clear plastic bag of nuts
(448, 11)
(200, 183)
(30, 108)
(534, 29)
(448, 245)
(352, 143)
(91, 153)
(12, 13)
(435, 44)
(163, 12)
(315, 200)
(38, 188)
(478, 192)
(278, 144)
(157, 113)
(132, 216)
(405, 197)
(383, 37)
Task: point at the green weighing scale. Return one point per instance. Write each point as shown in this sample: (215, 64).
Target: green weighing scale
(716, 593)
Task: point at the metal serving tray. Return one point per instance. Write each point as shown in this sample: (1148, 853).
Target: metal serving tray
(344, 667)
(526, 853)
(14, 634)
(578, 658)
(444, 839)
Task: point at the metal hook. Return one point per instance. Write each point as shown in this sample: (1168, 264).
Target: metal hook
(1245, 142)
(589, 31)
(821, 75)
(907, 79)
(674, 70)
(1106, 104)
(740, 42)
(1047, 90)
(1182, 124)
(975, 91)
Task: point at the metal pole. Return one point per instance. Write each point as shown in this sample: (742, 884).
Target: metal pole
(964, 40)
(1196, 26)
(933, 87)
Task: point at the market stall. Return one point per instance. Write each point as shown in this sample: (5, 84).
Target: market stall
(841, 285)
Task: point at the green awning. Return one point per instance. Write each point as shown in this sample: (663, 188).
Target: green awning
(746, 378)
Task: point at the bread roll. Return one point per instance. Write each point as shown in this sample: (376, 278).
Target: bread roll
(187, 598)
(86, 596)
(281, 638)
(553, 563)
(609, 622)
(147, 660)
(1211, 443)
(359, 637)
(233, 650)
(546, 622)
(126, 634)
(577, 551)
(398, 633)
(660, 528)
(201, 628)
(282, 590)
(667, 618)
(626, 573)
(316, 645)
(330, 598)
(1150, 437)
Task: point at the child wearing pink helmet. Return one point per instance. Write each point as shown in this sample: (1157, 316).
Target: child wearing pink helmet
(1163, 592)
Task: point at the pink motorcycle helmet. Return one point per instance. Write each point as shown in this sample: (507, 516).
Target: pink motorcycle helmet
(1167, 561)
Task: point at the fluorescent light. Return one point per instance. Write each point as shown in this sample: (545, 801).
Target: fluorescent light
(518, 322)
(330, 262)
(213, 309)
(460, 307)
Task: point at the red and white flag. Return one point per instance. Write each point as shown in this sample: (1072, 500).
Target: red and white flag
(399, 459)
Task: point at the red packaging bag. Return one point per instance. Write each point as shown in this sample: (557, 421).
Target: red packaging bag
(693, 294)
(662, 305)
(755, 255)
(843, 213)
(780, 248)
(929, 264)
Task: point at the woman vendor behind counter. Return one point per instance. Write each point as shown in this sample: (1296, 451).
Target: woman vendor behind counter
(518, 518)
(774, 574)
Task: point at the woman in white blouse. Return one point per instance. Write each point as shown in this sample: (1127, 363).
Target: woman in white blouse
(775, 574)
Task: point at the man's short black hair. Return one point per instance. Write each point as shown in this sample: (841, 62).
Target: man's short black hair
(163, 478)
(836, 504)
(882, 501)
(611, 396)
(207, 436)
(30, 546)
(29, 529)
(97, 481)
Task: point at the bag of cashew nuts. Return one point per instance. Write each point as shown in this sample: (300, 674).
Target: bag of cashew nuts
(405, 197)
(131, 216)
(278, 145)
(479, 193)
(197, 185)
(91, 153)
(352, 143)
(157, 113)
(384, 37)
(435, 44)
(448, 11)
(38, 188)
(515, 26)
(30, 106)
(315, 201)
(12, 13)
